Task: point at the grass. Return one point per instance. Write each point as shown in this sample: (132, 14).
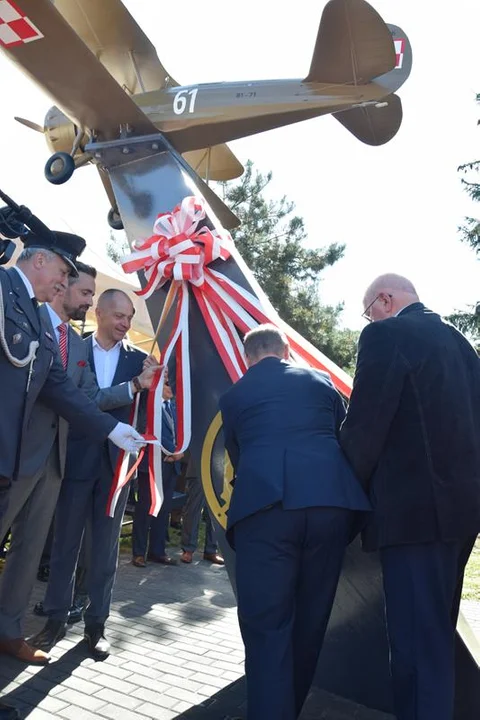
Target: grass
(471, 585)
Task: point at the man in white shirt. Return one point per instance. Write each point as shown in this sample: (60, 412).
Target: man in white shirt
(86, 487)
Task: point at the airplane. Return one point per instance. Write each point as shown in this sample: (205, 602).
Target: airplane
(111, 84)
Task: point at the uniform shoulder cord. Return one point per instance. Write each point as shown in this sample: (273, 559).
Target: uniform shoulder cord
(32, 350)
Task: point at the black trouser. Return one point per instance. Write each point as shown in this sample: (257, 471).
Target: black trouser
(287, 567)
(423, 585)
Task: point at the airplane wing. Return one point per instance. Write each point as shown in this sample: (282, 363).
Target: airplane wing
(112, 34)
(79, 84)
(84, 89)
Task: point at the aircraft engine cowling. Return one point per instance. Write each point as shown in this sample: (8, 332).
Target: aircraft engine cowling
(60, 132)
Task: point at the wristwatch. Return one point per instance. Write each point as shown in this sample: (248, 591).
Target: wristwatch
(137, 384)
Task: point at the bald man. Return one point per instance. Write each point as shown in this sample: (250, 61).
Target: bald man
(412, 436)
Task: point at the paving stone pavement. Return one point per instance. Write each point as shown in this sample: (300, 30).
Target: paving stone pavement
(176, 653)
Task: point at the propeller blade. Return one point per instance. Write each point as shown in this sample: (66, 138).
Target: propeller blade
(30, 124)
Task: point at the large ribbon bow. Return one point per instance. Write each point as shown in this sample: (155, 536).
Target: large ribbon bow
(177, 250)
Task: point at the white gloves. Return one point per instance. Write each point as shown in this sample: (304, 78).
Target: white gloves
(126, 438)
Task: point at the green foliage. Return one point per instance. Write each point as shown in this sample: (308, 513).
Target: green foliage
(468, 321)
(271, 240)
(117, 247)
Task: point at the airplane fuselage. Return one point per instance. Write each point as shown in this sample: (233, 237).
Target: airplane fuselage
(185, 106)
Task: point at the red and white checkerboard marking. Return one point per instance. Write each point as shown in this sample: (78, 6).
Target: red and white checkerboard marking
(399, 51)
(15, 27)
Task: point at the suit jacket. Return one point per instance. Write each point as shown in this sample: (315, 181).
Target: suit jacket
(45, 427)
(84, 457)
(412, 431)
(48, 380)
(280, 425)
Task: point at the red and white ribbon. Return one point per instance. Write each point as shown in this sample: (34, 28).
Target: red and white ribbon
(179, 252)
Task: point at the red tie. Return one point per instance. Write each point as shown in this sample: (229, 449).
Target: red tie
(62, 343)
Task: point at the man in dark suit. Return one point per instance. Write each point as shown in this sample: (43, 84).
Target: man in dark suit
(291, 517)
(86, 486)
(34, 494)
(29, 367)
(412, 435)
(149, 534)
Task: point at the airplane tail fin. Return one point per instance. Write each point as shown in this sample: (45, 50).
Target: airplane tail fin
(377, 123)
(373, 124)
(394, 79)
(353, 45)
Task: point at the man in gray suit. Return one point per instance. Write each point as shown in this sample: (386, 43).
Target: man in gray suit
(34, 494)
(86, 487)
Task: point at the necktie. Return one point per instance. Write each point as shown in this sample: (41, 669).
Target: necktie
(171, 422)
(35, 305)
(62, 343)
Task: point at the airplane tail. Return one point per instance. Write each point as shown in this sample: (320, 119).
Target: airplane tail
(377, 123)
(374, 124)
(354, 47)
(394, 79)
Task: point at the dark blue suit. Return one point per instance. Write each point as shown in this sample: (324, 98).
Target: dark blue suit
(412, 435)
(291, 516)
(84, 496)
(148, 531)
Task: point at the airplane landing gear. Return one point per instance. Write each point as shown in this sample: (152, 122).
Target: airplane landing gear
(114, 219)
(59, 168)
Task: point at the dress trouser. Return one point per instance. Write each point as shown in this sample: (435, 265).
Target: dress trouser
(422, 585)
(30, 508)
(191, 516)
(151, 532)
(83, 501)
(287, 567)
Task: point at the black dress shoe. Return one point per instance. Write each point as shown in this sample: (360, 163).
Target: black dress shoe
(39, 610)
(75, 614)
(43, 573)
(7, 712)
(96, 641)
(52, 633)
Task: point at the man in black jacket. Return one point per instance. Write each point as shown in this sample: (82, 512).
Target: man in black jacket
(412, 435)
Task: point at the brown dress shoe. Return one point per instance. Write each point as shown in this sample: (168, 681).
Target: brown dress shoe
(187, 556)
(18, 648)
(139, 561)
(214, 558)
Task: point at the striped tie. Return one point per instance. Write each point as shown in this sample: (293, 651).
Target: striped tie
(62, 343)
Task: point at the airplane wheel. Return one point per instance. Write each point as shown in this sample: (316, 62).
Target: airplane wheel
(59, 168)
(114, 220)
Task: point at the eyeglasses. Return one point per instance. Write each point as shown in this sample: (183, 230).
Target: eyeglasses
(366, 312)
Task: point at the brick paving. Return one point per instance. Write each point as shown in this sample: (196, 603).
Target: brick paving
(176, 653)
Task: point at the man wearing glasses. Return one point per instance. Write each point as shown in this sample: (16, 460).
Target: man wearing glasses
(412, 436)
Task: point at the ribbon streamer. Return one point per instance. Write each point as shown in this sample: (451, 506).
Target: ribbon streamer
(180, 253)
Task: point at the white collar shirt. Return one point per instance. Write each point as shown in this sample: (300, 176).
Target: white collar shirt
(26, 282)
(106, 362)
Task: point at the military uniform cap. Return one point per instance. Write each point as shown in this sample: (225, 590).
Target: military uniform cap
(67, 245)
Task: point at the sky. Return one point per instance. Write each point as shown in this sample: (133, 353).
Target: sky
(396, 207)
